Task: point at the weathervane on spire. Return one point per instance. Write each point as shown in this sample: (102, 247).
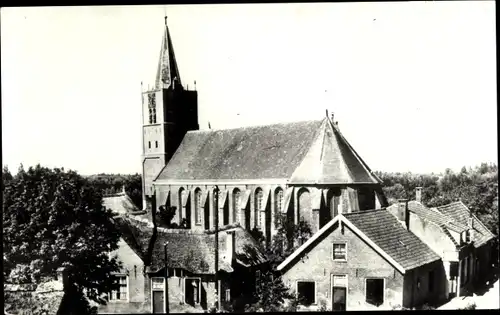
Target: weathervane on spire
(166, 19)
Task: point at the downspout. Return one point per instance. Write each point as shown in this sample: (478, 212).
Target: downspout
(216, 199)
(412, 290)
(152, 241)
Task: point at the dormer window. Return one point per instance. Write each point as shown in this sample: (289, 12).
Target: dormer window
(467, 236)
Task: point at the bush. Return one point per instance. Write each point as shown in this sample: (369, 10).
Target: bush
(470, 306)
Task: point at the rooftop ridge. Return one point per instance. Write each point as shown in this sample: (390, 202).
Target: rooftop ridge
(259, 125)
(119, 194)
(364, 211)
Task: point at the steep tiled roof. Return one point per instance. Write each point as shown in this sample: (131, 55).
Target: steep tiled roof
(134, 235)
(385, 231)
(193, 252)
(302, 152)
(459, 212)
(120, 203)
(434, 216)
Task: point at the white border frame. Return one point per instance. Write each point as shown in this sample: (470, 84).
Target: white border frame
(315, 292)
(384, 282)
(346, 288)
(199, 289)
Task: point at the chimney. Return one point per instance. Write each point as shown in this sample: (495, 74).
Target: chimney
(230, 245)
(403, 212)
(418, 194)
(62, 276)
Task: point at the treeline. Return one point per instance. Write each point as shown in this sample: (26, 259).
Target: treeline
(114, 183)
(476, 187)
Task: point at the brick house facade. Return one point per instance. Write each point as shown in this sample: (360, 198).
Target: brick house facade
(453, 232)
(191, 267)
(364, 260)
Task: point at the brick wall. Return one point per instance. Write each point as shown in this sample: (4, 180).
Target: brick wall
(416, 285)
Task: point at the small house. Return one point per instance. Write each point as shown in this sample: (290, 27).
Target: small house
(363, 260)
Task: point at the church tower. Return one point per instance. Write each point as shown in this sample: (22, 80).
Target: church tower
(168, 112)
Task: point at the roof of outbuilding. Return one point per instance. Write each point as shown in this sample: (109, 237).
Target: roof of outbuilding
(399, 243)
(192, 251)
(301, 152)
(120, 203)
(460, 213)
(23, 299)
(434, 216)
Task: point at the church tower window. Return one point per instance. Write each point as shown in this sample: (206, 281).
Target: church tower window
(152, 108)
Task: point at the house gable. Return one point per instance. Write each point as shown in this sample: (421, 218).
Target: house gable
(323, 234)
(436, 236)
(316, 264)
(129, 258)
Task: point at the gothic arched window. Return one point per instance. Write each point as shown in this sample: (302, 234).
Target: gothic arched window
(259, 200)
(181, 195)
(197, 206)
(278, 200)
(236, 204)
(305, 211)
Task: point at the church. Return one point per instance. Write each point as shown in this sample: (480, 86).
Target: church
(305, 170)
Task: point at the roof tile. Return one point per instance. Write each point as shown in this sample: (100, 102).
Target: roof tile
(400, 244)
(459, 212)
(278, 151)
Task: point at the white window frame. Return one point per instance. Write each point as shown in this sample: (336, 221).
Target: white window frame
(199, 289)
(164, 292)
(332, 276)
(315, 291)
(384, 297)
(333, 251)
(120, 275)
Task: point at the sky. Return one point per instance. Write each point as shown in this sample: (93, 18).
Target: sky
(412, 84)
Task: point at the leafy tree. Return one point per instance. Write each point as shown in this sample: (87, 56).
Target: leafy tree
(6, 176)
(271, 294)
(114, 183)
(476, 187)
(54, 218)
(165, 216)
(133, 188)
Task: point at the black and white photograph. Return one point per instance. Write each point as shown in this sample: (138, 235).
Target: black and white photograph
(242, 158)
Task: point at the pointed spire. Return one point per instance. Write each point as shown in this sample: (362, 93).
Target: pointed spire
(167, 72)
